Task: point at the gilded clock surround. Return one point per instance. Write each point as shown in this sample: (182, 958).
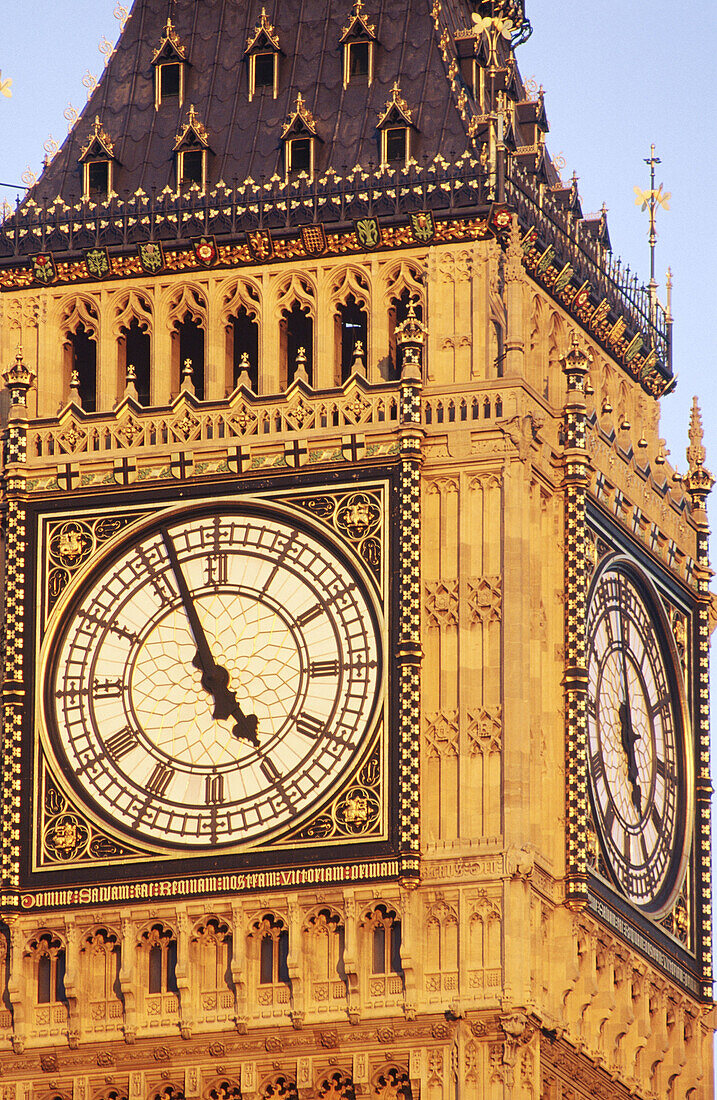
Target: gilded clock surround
(68, 834)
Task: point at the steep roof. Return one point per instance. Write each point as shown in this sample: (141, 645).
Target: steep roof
(245, 134)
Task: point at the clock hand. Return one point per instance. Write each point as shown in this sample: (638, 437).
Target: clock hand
(215, 678)
(629, 737)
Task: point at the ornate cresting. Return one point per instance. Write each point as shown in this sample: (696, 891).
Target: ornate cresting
(698, 482)
(575, 483)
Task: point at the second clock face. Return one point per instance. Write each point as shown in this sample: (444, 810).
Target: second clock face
(636, 739)
(216, 679)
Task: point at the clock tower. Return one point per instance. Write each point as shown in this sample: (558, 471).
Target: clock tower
(356, 627)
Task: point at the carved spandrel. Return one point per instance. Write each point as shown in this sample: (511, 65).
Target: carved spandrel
(356, 515)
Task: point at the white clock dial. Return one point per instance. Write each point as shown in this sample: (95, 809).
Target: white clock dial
(638, 760)
(216, 678)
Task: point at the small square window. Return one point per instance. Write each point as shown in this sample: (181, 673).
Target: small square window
(300, 155)
(170, 78)
(193, 167)
(98, 179)
(396, 142)
(264, 70)
(359, 61)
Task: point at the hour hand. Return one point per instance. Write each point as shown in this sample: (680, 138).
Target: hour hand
(215, 678)
(628, 743)
(215, 681)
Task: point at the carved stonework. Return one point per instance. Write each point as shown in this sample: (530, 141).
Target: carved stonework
(441, 603)
(485, 731)
(485, 599)
(441, 733)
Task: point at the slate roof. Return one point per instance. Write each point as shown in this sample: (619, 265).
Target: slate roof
(244, 135)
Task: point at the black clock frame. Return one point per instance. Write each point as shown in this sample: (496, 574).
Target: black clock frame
(384, 853)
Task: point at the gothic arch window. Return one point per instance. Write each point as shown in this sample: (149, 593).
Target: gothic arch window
(336, 1086)
(79, 324)
(100, 961)
(187, 322)
(158, 956)
(240, 314)
(210, 953)
(280, 1086)
(243, 330)
(324, 944)
(48, 954)
(441, 955)
(136, 346)
(190, 347)
(391, 1083)
(297, 345)
(397, 314)
(497, 348)
(269, 950)
(384, 926)
(223, 1088)
(168, 1091)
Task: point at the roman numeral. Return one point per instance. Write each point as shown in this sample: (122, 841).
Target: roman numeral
(309, 726)
(119, 744)
(214, 792)
(216, 568)
(269, 769)
(160, 779)
(310, 615)
(324, 668)
(598, 764)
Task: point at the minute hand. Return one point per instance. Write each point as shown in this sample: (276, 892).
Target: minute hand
(215, 678)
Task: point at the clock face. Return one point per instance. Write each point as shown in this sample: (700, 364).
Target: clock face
(636, 739)
(214, 679)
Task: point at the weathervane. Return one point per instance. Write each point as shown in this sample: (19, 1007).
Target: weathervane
(650, 200)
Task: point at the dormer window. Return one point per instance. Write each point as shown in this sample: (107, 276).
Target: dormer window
(358, 40)
(395, 127)
(192, 168)
(169, 62)
(97, 186)
(97, 160)
(192, 150)
(395, 149)
(170, 81)
(299, 157)
(263, 52)
(300, 142)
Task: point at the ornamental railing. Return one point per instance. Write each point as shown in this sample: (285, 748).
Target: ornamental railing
(461, 188)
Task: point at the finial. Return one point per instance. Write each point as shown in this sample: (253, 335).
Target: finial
(301, 374)
(75, 388)
(696, 452)
(576, 363)
(187, 383)
(650, 200)
(130, 389)
(357, 365)
(698, 481)
(244, 378)
(18, 379)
